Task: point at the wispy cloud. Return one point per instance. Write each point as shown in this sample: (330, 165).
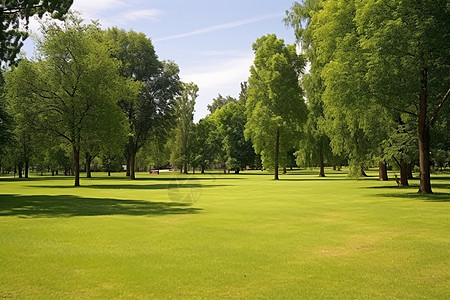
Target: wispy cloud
(93, 7)
(150, 14)
(220, 27)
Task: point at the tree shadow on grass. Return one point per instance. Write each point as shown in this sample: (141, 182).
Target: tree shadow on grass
(436, 197)
(64, 206)
(166, 186)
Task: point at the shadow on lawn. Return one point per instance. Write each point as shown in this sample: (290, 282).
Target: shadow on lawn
(162, 186)
(436, 197)
(41, 206)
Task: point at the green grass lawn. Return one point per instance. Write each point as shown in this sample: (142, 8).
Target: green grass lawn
(245, 236)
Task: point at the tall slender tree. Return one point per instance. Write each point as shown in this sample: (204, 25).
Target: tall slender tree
(275, 107)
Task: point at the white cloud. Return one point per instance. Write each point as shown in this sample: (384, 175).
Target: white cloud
(93, 7)
(220, 27)
(150, 14)
(222, 77)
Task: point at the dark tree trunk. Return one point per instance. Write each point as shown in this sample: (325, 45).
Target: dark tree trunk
(203, 170)
(19, 168)
(132, 163)
(128, 157)
(193, 170)
(321, 164)
(76, 165)
(224, 169)
(109, 173)
(424, 137)
(27, 165)
(277, 152)
(403, 175)
(53, 172)
(362, 173)
(382, 171)
(185, 168)
(88, 165)
(237, 171)
(410, 169)
(284, 170)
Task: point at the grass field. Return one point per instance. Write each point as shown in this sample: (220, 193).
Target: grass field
(244, 236)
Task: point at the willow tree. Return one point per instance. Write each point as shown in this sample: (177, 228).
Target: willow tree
(275, 107)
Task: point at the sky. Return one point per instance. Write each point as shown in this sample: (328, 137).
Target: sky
(211, 41)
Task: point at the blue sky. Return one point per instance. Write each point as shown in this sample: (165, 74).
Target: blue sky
(210, 40)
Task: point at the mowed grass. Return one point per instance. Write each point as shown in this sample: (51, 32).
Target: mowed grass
(217, 236)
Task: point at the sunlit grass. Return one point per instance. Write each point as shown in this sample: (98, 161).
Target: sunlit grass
(223, 236)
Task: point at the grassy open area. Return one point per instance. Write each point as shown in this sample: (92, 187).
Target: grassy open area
(246, 236)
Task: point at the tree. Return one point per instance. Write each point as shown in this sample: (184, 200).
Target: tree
(408, 44)
(5, 121)
(74, 87)
(275, 107)
(150, 114)
(219, 102)
(205, 143)
(184, 112)
(231, 121)
(14, 14)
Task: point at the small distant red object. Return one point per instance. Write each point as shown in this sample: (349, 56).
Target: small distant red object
(154, 172)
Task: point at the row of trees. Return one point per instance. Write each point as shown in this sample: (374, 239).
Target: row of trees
(377, 84)
(99, 92)
(379, 71)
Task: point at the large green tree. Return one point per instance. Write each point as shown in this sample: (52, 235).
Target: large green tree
(74, 87)
(275, 107)
(231, 121)
(407, 47)
(14, 16)
(150, 113)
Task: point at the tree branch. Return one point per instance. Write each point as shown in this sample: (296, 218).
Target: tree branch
(433, 118)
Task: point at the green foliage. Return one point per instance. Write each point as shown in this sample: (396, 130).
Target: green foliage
(74, 88)
(150, 114)
(184, 112)
(15, 14)
(219, 102)
(231, 120)
(275, 108)
(206, 143)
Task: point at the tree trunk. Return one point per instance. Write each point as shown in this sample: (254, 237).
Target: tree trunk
(382, 171)
(236, 171)
(277, 152)
(185, 168)
(424, 137)
(410, 171)
(88, 165)
(76, 165)
(193, 170)
(128, 157)
(362, 173)
(132, 162)
(203, 170)
(27, 165)
(321, 164)
(19, 168)
(403, 175)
